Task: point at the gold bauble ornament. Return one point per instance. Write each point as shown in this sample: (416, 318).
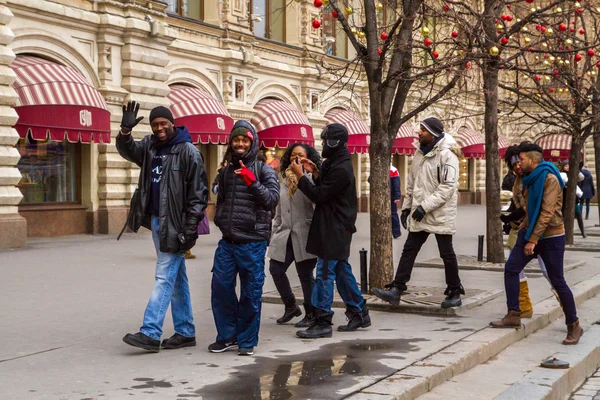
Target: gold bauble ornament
(549, 32)
(558, 9)
(361, 35)
(500, 27)
(527, 40)
(552, 59)
(348, 10)
(379, 6)
(425, 31)
(353, 30)
(569, 41)
(494, 51)
(325, 2)
(525, 29)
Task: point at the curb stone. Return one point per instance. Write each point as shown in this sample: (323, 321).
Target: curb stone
(422, 376)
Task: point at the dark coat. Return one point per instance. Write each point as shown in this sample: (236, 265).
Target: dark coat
(334, 194)
(183, 188)
(509, 181)
(587, 185)
(244, 213)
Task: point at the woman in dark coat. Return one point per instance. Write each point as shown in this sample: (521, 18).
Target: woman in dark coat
(588, 189)
(290, 233)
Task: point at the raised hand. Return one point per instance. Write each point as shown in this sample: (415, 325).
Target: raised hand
(130, 118)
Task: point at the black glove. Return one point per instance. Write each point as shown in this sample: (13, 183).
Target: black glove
(188, 238)
(130, 119)
(419, 214)
(404, 217)
(506, 228)
(506, 218)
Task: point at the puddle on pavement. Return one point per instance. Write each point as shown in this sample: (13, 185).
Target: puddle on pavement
(150, 383)
(333, 366)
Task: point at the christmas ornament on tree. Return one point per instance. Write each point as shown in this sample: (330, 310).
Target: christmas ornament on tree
(348, 10)
(494, 51)
(316, 24)
(334, 14)
(383, 36)
(435, 54)
(318, 3)
(454, 34)
(428, 42)
(379, 6)
(504, 41)
(425, 31)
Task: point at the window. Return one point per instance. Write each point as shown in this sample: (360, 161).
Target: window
(188, 8)
(272, 23)
(464, 168)
(49, 170)
(335, 40)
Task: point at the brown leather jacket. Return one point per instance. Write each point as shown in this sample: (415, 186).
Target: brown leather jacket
(550, 218)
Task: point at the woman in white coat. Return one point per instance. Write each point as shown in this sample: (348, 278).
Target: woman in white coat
(290, 232)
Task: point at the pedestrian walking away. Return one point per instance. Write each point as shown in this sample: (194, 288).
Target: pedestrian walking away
(248, 192)
(588, 190)
(170, 199)
(395, 199)
(430, 207)
(513, 218)
(542, 232)
(564, 171)
(330, 234)
(292, 222)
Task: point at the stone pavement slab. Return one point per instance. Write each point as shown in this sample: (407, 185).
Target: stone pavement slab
(417, 300)
(466, 263)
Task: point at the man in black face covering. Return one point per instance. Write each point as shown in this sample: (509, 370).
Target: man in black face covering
(334, 194)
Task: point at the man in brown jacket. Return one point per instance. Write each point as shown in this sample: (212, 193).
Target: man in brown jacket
(541, 232)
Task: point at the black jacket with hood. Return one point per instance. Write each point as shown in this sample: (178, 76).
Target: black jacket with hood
(334, 194)
(244, 213)
(183, 187)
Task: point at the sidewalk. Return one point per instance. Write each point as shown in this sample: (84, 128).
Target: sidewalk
(67, 303)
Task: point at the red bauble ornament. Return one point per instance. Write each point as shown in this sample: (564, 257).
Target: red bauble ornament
(582, 31)
(509, 18)
(503, 17)
(334, 14)
(428, 42)
(598, 64)
(318, 3)
(556, 72)
(508, 6)
(529, 1)
(591, 53)
(578, 57)
(454, 34)
(561, 27)
(383, 36)
(579, 11)
(504, 41)
(572, 30)
(538, 27)
(538, 78)
(551, 90)
(379, 51)
(468, 65)
(435, 54)
(543, 29)
(316, 24)
(446, 7)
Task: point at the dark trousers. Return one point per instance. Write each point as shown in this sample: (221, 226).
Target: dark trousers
(414, 242)
(552, 251)
(587, 206)
(396, 232)
(305, 273)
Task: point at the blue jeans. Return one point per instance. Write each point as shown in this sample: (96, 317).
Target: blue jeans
(238, 319)
(170, 286)
(552, 251)
(340, 272)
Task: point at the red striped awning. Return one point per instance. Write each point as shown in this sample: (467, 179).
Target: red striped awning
(279, 124)
(472, 143)
(557, 146)
(359, 136)
(205, 117)
(405, 139)
(57, 102)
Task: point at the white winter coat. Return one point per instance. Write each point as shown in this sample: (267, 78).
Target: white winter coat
(433, 184)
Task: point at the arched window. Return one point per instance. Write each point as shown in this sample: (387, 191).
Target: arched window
(188, 8)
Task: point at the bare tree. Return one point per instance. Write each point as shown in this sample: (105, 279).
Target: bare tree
(554, 81)
(410, 58)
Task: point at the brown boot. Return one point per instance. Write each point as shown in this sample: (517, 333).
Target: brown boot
(525, 301)
(188, 255)
(574, 333)
(512, 319)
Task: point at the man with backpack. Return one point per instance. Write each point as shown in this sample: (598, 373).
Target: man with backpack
(248, 193)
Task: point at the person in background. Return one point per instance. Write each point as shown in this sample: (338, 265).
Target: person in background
(588, 189)
(564, 173)
(290, 234)
(173, 193)
(248, 192)
(395, 199)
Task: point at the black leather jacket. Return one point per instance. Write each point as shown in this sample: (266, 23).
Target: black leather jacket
(244, 213)
(183, 188)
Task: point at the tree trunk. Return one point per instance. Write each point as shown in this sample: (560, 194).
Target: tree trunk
(381, 267)
(495, 245)
(571, 196)
(597, 157)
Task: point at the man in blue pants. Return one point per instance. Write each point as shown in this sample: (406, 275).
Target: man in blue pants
(330, 235)
(542, 233)
(248, 194)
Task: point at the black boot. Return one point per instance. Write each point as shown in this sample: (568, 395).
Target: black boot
(320, 328)
(308, 319)
(392, 295)
(356, 320)
(291, 311)
(581, 225)
(453, 297)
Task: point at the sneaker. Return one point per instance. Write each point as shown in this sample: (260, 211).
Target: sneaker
(217, 347)
(142, 341)
(178, 341)
(245, 351)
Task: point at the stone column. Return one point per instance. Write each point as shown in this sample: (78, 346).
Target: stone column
(13, 227)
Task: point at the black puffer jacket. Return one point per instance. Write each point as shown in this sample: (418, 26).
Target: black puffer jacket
(244, 213)
(183, 187)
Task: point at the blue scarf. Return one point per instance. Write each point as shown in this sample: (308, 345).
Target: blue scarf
(534, 182)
